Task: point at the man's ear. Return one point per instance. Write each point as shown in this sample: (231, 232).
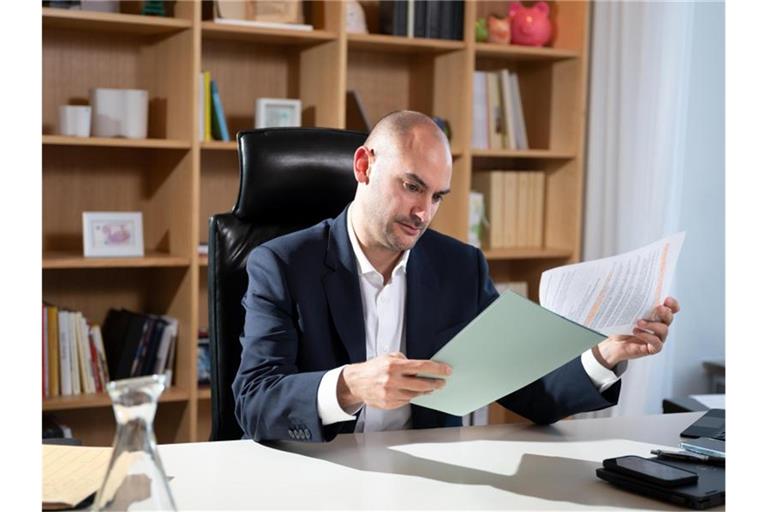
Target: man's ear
(362, 165)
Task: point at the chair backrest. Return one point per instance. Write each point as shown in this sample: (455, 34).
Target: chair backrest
(290, 178)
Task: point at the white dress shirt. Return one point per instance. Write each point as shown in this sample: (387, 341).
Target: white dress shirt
(384, 314)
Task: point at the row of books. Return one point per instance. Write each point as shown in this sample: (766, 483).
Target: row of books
(74, 360)
(212, 122)
(514, 207)
(138, 343)
(436, 19)
(497, 111)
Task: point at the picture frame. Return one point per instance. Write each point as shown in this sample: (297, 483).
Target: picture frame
(113, 234)
(277, 113)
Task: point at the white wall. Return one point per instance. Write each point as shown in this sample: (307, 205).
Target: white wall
(700, 285)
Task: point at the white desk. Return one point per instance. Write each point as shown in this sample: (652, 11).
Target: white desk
(495, 467)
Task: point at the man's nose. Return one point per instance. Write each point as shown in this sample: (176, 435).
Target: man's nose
(422, 210)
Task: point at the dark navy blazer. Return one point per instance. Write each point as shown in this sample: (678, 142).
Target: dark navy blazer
(304, 316)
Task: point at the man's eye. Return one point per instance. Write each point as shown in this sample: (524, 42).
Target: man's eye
(410, 187)
(437, 199)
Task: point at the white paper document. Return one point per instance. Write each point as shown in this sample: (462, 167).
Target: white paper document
(611, 294)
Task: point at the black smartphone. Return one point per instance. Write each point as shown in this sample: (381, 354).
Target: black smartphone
(651, 471)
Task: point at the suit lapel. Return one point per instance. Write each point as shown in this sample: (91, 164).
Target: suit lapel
(342, 290)
(420, 297)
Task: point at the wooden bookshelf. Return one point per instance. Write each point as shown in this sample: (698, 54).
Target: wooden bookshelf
(525, 53)
(60, 140)
(178, 182)
(112, 22)
(92, 400)
(212, 30)
(63, 260)
(217, 145)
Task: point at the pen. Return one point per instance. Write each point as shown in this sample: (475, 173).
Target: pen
(690, 457)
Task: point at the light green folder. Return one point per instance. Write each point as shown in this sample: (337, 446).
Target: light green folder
(509, 345)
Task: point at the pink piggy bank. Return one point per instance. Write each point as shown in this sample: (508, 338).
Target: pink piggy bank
(530, 26)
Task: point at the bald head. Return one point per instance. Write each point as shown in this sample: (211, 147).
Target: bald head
(404, 130)
(403, 171)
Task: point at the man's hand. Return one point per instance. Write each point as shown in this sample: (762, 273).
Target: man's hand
(648, 339)
(388, 381)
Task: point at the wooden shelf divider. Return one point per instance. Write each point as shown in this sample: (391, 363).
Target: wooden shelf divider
(62, 140)
(89, 401)
(112, 22)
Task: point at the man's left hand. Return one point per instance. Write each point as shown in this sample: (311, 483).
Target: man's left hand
(647, 339)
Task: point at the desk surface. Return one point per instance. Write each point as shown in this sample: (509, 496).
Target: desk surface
(495, 467)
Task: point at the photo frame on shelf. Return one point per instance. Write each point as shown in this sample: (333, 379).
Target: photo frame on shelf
(113, 234)
(277, 113)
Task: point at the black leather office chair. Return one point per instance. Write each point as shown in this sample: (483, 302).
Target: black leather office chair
(290, 178)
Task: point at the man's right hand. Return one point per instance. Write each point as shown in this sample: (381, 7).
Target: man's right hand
(388, 381)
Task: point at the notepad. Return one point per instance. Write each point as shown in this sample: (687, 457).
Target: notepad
(509, 345)
(71, 474)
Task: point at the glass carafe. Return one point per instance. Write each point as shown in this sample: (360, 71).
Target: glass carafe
(135, 479)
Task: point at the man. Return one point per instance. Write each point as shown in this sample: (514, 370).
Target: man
(340, 317)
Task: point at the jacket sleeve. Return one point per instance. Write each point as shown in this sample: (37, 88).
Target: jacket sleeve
(273, 400)
(564, 391)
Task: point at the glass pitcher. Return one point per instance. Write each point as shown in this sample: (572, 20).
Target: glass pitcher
(135, 479)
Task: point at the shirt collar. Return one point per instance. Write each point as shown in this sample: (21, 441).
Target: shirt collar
(364, 267)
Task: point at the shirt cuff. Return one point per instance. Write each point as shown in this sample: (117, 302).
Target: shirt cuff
(601, 377)
(328, 407)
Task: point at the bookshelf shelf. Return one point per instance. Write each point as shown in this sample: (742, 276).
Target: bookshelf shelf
(112, 22)
(213, 30)
(93, 400)
(217, 145)
(543, 154)
(526, 253)
(523, 53)
(72, 260)
(399, 44)
(61, 140)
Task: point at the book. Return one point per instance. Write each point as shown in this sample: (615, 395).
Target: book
(167, 343)
(479, 111)
(264, 24)
(74, 359)
(457, 27)
(53, 350)
(523, 209)
(410, 18)
(44, 315)
(143, 348)
(476, 216)
(521, 136)
(495, 117)
(101, 353)
(506, 105)
(432, 18)
(446, 19)
(220, 129)
(207, 105)
(148, 366)
(129, 344)
(83, 353)
(201, 107)
(512, 228)
(537, 208)
(393, 17)
(71, 474)
(420, 18)
(491, 185)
